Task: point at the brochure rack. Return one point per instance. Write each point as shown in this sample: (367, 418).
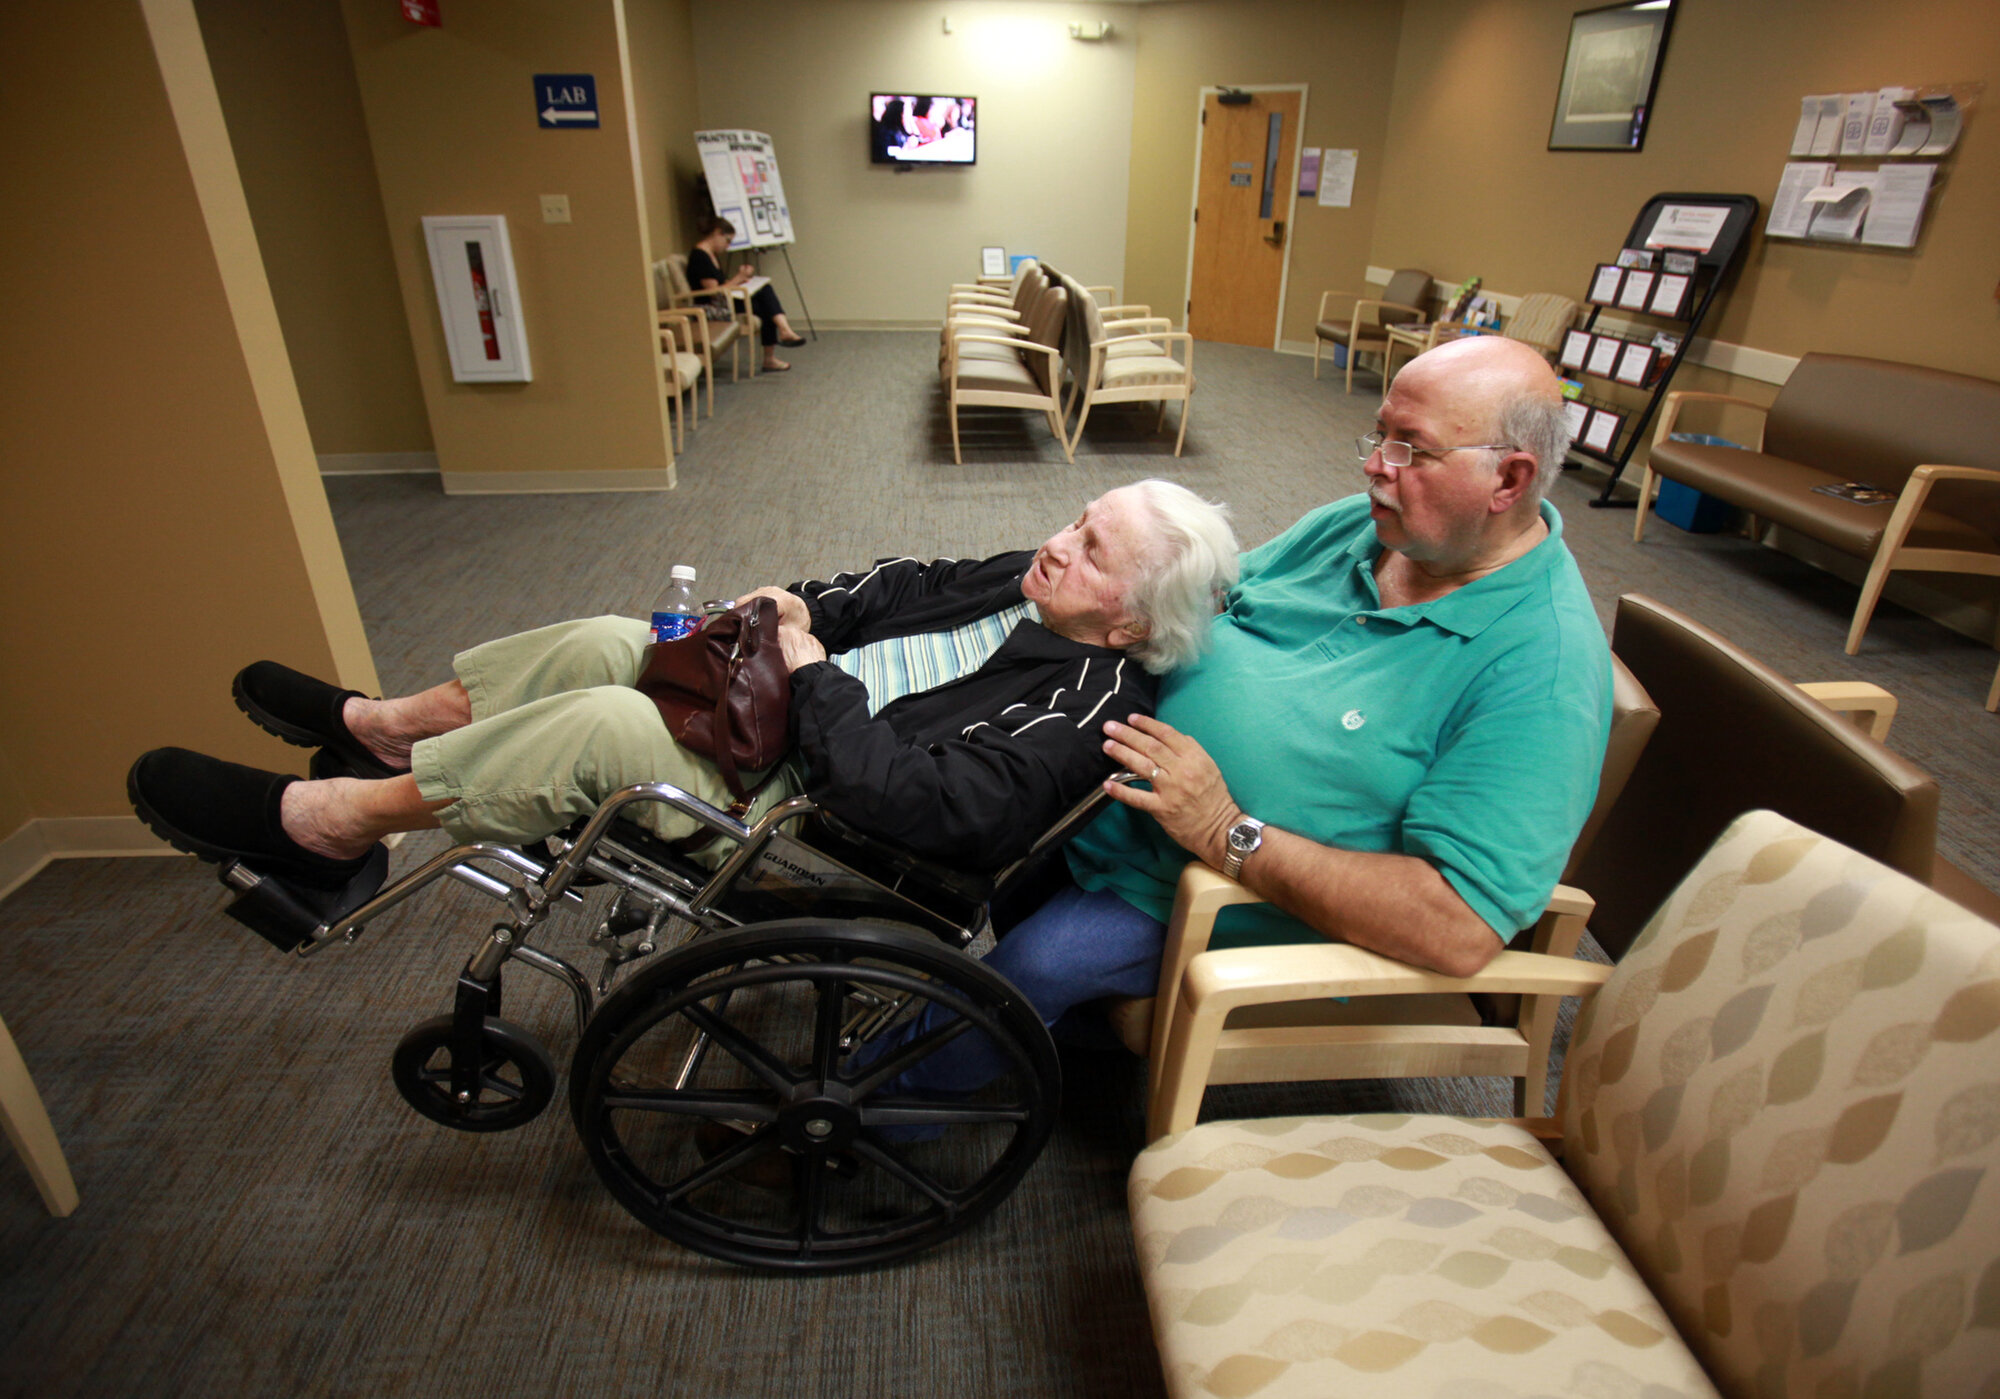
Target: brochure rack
(1719, 220)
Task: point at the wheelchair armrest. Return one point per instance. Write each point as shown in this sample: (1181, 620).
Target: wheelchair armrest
(879, 857)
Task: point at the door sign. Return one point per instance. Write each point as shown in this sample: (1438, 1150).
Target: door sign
(566, 100)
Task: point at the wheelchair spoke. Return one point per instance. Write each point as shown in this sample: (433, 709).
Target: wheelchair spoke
(748, 1052)
(872, 1149)
(921, 1113)
(752, 1146)
(890, 1065)
(831, 1002)
(808, 1178)
(739, 1105)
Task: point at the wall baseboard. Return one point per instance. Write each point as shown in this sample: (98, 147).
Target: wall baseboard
(554, 482)
(26, 852)
(377, 463)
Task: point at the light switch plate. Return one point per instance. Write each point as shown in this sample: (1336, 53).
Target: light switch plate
(555, 208)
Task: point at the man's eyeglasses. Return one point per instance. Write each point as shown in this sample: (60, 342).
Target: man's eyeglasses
(1399, 454)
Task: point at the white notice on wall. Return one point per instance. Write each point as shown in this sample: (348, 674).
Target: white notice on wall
(1694, 226)
(1336, 179)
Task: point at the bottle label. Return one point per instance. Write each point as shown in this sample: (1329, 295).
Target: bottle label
(669, 626)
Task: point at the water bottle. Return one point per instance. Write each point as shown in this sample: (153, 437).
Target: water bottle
(677, 613)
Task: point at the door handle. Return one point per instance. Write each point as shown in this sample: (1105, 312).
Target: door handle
(1276, 237)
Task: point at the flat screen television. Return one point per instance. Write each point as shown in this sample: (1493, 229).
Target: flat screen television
(905, 128)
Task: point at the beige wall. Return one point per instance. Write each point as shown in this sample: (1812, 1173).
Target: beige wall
(451, 119)
(1468, 130)
(161, 519)
(294, 113)
(1343, 50)
(661, 36)
(1055, 134)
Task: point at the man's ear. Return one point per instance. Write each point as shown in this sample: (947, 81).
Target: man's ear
(1514, 479)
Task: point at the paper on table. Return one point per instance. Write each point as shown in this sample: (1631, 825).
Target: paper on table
(1860, 107)
(1839, 208)
(1791, 216)
(1604, 355)
(1896, 209)
(1336, 178)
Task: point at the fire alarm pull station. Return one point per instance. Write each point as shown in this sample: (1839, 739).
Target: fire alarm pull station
(473, 266)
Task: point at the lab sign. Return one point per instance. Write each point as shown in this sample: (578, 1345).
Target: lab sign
(566, 100)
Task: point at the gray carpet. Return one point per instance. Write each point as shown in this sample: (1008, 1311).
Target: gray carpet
(263, 1216)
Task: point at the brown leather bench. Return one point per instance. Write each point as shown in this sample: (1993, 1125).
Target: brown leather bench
(1930, 438)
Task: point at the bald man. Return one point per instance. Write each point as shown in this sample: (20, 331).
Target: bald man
(1396, 734)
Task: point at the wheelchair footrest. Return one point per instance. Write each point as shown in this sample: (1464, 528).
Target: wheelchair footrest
(286, 915)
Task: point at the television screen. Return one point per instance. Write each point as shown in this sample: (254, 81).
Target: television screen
(906, 128)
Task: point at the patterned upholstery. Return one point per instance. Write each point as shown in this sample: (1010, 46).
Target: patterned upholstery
(1784, 1108)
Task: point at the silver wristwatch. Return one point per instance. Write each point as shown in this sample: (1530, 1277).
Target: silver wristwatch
(1244, 839)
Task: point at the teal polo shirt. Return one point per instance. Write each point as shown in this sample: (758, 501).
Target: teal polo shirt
(1468, 730)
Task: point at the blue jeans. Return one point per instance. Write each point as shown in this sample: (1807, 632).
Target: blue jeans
(1079, 946)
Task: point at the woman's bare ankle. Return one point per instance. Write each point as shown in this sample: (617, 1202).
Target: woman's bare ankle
(390, 728)
(320, 816)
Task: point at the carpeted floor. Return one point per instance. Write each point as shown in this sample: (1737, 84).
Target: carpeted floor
(263, 1216)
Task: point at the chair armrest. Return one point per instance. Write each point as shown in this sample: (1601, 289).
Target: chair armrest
(1170, 336)
(1327, 296)
(986, 327)
(1115, 312)
(1935, 472)
(1670, 412)
(1856, 697)
(1139, 324)
(1242, 976)
(1102, 291)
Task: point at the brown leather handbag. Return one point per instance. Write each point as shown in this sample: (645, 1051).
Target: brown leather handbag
(725, 691)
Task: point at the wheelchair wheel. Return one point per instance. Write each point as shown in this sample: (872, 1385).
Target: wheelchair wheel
(516, 1076)
(739, 1096)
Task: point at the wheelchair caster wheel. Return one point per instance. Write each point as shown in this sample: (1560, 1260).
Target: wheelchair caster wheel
(516, 1077)
(770, 1034)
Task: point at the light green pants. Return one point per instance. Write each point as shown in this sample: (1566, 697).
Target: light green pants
(556, 728)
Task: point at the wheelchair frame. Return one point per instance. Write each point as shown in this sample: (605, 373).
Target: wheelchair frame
(782, 1138)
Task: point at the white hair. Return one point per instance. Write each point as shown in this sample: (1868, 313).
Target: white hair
(1537, 423)
(1182, 583)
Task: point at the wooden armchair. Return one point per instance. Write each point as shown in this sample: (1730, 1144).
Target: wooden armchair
(671, 292)
(686, 354)
(1363, 330)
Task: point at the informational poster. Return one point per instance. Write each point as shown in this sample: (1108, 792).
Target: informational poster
(1336, 178)
(743, 182)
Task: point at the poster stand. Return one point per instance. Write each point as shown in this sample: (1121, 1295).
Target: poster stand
(746, 188)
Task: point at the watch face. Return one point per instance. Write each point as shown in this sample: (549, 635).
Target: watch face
(1245, 837)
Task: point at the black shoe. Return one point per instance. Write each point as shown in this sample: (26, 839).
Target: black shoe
(305, 711)
(219, 811)
(794, 342)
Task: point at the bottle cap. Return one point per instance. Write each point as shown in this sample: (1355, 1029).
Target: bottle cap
(681, 570)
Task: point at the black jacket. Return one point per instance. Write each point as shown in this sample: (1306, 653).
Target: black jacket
(969, 773)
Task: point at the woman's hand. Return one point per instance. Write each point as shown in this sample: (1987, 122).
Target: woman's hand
(1189, 798)
(791, 607)
(743, 274)
(801, 648)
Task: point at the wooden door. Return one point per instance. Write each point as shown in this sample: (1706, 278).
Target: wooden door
(1242, 211)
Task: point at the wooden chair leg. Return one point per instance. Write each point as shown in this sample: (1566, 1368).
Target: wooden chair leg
(1317, 342)
(957, 460)
(1993, 695)
(1351, 357)
(708, 376)
(1081, 416)
(1062, 440)
(1186, 405)
(1645, 504)
(31, 1132)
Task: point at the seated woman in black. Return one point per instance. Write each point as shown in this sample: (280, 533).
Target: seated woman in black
(705, 274)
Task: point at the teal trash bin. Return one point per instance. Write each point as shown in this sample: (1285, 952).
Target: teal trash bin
(1688, 509)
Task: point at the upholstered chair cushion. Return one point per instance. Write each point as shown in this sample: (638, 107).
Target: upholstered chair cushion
(1786, 1105)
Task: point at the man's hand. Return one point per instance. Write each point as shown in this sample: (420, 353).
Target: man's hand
(800, 647)
(1189, 798)
(791, 607)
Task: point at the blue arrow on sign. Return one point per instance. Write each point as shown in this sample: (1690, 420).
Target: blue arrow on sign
(566, 100)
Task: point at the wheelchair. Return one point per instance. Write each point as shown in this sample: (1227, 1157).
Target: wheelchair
(735, 1078)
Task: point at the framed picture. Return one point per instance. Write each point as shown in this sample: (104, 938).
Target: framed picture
(1610, 76)
(992, 262)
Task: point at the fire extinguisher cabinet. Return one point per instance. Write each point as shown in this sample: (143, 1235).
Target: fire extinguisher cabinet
(473, 266)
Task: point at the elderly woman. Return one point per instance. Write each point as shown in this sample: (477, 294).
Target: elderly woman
(704, 273)
(962, 716)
